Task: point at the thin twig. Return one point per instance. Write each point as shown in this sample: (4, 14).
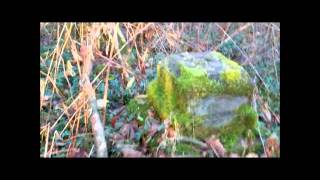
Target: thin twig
(47, 139)
(52, 144)
(242, 28)
(105, 97)
(191, 140)
(91, 151)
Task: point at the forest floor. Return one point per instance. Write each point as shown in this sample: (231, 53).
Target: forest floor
(94, 69)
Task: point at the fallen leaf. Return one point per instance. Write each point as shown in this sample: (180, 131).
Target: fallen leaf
(130, 83)
(171, 133)
(276, 118)
(266, 112)
(46, 100)
(148, 35)
(272, 146)
(77, 153)
(117, 116)
(114, 120)
(124, 131)
(129, 152)
(127, 131)
(216, 146)
(117, 137)
(134, 124)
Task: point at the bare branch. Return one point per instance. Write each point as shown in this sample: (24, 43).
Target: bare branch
(97, 127)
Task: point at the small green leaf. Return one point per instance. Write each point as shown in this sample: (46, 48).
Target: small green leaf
(140, 118)
(111, 77)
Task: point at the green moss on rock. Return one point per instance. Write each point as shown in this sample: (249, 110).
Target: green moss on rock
(245, 120)
(161, 94)
(236, 81)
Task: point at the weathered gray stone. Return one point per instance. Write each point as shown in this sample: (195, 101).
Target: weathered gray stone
(206, 86)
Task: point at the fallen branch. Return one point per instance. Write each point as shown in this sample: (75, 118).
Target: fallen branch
(97, 127)
(47, 140)
(194, 141)
(191, 140)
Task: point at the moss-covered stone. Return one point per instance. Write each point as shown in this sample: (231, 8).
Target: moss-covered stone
(205, 93)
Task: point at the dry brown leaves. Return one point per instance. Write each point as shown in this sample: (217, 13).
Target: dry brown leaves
(77, 153)
(128, 130)
(171, 133)
(268, 115)
(272, 146)
(266, 112)
(215, 144)
(131, 153)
